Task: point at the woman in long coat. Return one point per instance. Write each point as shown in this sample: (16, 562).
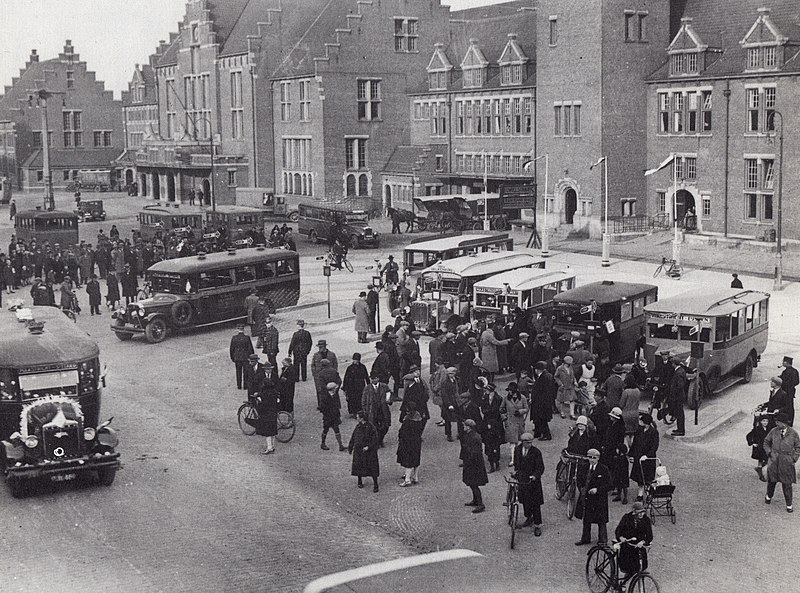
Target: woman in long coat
(112, 295)
(267, 408)
(488, 346)
(782, 446)
(645, 444)
(363, 446)
(409, 444)
(565, 379)
(361, 311)
(514, 411)
(629, 403)
(473, 473)
(501, 333)
(68, 299)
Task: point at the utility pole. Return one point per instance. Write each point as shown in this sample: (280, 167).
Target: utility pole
(41, 96)
(779, 234)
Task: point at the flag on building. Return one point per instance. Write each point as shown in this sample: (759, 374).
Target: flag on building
(528, 165)
(600, 160)
(665, 163)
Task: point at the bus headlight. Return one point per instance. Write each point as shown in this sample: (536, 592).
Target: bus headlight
(31, 442)
(89, 433)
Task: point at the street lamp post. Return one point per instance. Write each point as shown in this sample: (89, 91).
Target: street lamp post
(606, 257)
(211, 148)
(42, 95)
(778, 234)
(545, 237)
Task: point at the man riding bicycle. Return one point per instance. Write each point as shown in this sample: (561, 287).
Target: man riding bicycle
(338, 243)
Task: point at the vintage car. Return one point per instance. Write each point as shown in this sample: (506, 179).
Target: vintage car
(90, 210)
(53, 443)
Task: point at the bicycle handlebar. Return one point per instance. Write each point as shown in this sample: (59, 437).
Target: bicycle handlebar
(516, 481)
(576, 456)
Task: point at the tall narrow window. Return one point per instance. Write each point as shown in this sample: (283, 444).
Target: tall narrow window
(706, 110)
(553, 30)
(642, 31)
(630, 21)
(567, 120)
(286, 101)
(753, 110)
(305, 100)
(70, 79)
(769, 109)
(677, 113)
(406, 35)
(692, 113)
(663, 113)
(557, 120)
(369, 99)
(576, 119)
(237, 118)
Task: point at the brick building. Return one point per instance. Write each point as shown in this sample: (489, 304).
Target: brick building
(84, 120)
(473, 117)
(8, 156)
(728, 88)
(339, 96)
(591, 62)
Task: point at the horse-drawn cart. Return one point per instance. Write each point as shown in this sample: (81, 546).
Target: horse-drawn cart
(459, 213)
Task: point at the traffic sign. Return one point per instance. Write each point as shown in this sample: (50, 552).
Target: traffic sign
(694, 330)
(586, 309)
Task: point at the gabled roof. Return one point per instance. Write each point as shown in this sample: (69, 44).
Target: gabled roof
(512, 54)
(439, 61)
(686, 38)
(724, 23)
(474, 57)
(405, 158)
(764, 30)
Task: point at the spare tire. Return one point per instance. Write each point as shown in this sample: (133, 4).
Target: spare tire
(182, 313)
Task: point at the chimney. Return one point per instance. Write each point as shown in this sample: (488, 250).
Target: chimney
(764, 11)
(68, 49)
(512, 36)
(34, 56)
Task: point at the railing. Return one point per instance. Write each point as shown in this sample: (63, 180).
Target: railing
(638, 224)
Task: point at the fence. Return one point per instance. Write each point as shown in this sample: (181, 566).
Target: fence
(637, 224)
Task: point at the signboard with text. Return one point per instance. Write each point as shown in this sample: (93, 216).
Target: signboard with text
(515, 197)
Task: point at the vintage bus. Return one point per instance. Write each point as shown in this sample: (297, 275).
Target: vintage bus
(207, 289)
(606, 309)
(526, 288)
(163, 219)
(423, 253)
(446, 288)
(731, 324)
(318, 220)
(239, 226)
(54, 226)
(50, 386)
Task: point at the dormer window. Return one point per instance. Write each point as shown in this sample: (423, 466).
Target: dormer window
(512, 63)
(687, 51)
(763, 43)
(474, 66)
(439, 68)
(684, 63)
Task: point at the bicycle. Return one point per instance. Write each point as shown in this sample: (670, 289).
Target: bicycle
(671, 268)
(330, 260)
(602, 572)
(513, 503)
(657, 403)
(567, 479)
(248, 416)
(145, 292)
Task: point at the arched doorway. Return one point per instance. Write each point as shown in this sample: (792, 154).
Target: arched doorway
(570, 205)
(128, 176)
(156, 186)
(684, 201)
(206, 192)
(143, 184)
(387, 200)
(170, 187)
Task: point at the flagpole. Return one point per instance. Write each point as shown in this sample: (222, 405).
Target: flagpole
(606, 259)
(485, 193)
(676, 245)
(545, 239)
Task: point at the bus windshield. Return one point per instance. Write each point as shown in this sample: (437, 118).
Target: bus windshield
(356, 217)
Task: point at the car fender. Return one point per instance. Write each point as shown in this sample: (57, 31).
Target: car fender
(150, 316)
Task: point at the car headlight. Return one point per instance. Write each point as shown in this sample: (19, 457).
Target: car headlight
(89, 433)
(140, 312)
(31, 441)
(121, 311)
(108, 438)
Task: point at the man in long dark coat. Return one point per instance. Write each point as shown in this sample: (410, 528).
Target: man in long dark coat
(595, 482)
(375, 400)
(519, 354)
(449, 394)
(287, 382)
(677, 396)
(299, 347)
(529, 467)
(326, 375)
(542, 396)
(355, 379)
(240, 350)
(373, 302)
(791, 379)
(474, 470)
(381, 366)
(254, 376)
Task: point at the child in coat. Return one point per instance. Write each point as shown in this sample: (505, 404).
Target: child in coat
(755, 438)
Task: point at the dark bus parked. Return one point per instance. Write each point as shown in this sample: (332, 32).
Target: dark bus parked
(55, 226)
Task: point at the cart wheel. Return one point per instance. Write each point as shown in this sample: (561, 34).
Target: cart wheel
(294, 216)
(422, 225)
(477, 226)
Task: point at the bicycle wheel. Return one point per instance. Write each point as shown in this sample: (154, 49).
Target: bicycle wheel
(513, 514)
(247, 411)
(643, 583)
(600, 570)
(659, 269)
(562, 479)
(286, 427)
(347, 264)
(572, 499)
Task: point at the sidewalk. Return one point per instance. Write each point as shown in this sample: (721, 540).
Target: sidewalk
(653, 247)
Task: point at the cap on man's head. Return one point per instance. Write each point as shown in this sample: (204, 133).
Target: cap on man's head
(578, 343)
(322, 343)
(568, 360)
(287, 362)
(777, 381)
(615, 413)
(452, 370)
(301, 322)
(526, 437)
(356, 356)
(618, 369)
(788, 359)
(469, 422)
(362, 294)
(524, 335)
(540, 365)
(253, 358)
(637, 507)
(593, 453)
(332, 386)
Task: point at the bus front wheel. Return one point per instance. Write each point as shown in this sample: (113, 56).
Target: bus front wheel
(156, 331)
(747, 369)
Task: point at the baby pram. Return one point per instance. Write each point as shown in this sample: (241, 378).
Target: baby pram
(658, 499)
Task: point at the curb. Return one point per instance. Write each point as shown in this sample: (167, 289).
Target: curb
(301, 307)
(711, 427)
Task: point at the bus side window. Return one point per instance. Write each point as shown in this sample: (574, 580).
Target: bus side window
(748, 321)
(265, 270)
(736, 323)
(285, 267)
(638, 307)
(650, 298)
(722, 329)
(245, 274)
(549, 292)
(764, 315)
(625, 311)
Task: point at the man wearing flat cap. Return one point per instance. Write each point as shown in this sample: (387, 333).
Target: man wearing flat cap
(782, 447)
(595, 482)
(528, 468)
(676, 397)
(316, 363)
(519, 354)
(241, 348)
(790, 379)
(254, 376)
(779, 401)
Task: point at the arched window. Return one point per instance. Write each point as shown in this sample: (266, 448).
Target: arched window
(363, 185)
(310, 185)
(286, 183)
(305, 185)
(351, 185)
(298, 184)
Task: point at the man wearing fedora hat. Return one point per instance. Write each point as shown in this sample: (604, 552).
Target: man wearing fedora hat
(791, 379)
(782, 447)
(474, 468)
(595, 482)
(254, 376)
(676, 398)
(636, 531)
(614, 385)
(240, 349)
(299, 348)
(316, 363)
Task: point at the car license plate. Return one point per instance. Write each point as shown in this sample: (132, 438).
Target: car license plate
(62, 477)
